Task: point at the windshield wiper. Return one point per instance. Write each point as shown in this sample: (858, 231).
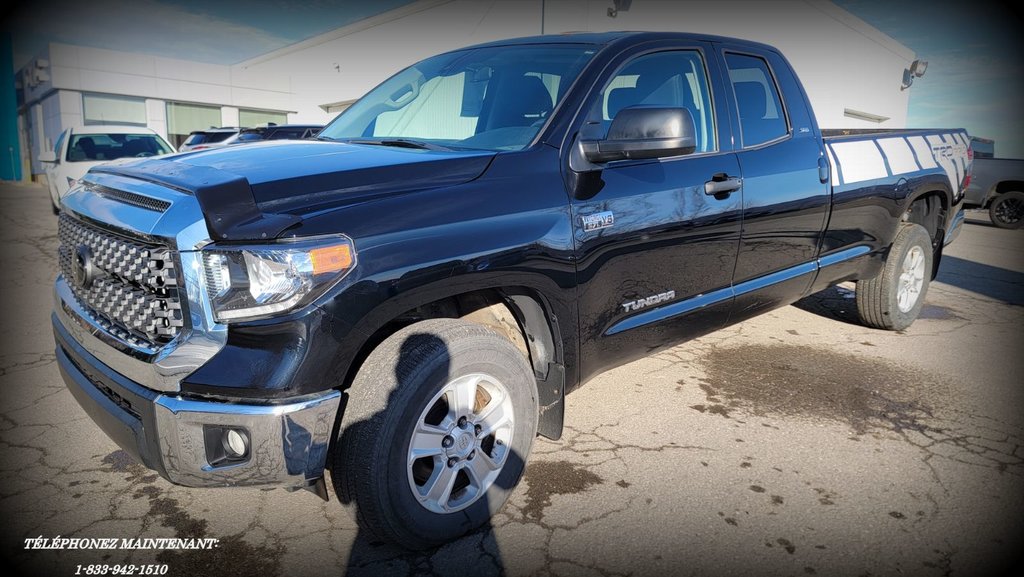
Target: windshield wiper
(400, 143)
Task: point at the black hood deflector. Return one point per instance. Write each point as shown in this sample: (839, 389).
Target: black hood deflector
(226, 199)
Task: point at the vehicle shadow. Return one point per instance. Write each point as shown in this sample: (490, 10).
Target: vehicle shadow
(979, 220)
(836, 303)
(1004, 285)
(990, 281)
(475, 553)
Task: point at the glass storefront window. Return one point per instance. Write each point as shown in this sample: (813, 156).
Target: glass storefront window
(105, 109)
(184, 118)
(252, 118)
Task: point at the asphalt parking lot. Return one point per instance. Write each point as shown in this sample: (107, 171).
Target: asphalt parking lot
(797, 443)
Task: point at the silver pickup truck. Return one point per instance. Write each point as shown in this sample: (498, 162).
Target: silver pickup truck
(998, 184)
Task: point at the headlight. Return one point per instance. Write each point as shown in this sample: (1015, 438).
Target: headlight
(247, 282)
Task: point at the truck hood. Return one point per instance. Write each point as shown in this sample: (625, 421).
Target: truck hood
(257, 191)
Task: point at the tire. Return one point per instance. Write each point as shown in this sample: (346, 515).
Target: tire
(408, 384)
(893, 299)
(1007, 210)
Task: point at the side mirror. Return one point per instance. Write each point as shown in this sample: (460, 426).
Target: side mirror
(47, 156)
(644, 132)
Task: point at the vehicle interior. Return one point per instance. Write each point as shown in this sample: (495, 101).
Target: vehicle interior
(490, 98)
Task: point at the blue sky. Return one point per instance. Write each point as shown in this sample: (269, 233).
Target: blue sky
(975, 77)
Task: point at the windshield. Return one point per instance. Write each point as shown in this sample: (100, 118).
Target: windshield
(91, 147)
(494, 98)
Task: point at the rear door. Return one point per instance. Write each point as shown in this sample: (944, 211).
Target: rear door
(655, 253)
(785, 181)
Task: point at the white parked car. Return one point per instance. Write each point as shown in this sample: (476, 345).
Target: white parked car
(82, 147)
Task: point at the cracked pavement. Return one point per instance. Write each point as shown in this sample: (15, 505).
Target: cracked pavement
(796, 443)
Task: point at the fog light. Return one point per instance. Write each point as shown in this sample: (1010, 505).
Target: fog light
(226, 445)
(236, 444)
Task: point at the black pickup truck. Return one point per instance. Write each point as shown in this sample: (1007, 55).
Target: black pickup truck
(407, 299)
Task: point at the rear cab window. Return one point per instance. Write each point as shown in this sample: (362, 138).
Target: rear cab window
(762, 116)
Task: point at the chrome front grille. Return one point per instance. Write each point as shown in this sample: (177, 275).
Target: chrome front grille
(128, 285)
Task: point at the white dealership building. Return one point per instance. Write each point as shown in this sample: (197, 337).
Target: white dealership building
(854, 74)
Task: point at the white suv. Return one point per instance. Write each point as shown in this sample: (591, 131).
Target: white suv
(82, 147)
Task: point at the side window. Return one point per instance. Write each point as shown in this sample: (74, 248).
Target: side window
(762, 117)
(676, 78)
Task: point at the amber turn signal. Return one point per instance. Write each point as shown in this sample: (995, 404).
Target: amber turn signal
(331, 258)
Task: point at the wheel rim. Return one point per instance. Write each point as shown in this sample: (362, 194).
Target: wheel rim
(911, 279)
(1010, 210)
(460, 443)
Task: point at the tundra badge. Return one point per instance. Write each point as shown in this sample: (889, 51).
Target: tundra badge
(651, 300)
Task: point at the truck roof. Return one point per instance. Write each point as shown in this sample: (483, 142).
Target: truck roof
(604, 38)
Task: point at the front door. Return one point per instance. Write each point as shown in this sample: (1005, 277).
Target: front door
(655, 252)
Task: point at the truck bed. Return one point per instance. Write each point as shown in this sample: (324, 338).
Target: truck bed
(863, 155)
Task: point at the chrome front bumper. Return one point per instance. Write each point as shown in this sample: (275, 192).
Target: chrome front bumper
(288, 442)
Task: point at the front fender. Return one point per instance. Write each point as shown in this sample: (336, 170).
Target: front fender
(509, 230)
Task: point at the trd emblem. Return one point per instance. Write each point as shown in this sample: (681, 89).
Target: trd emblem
(598, 220)
(82, 268)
